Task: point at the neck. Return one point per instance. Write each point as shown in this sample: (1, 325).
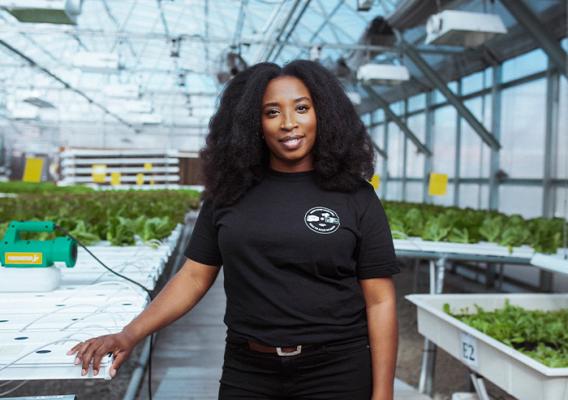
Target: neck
(296, 166)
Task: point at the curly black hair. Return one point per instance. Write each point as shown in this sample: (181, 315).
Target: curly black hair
(235, 157)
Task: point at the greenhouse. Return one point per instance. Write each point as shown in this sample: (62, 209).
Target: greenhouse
(284, 199)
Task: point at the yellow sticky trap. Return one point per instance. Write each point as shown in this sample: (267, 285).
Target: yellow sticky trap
(32, 170)
(438, 185)
(115, 178)
(139, 179)
(98, 173)
(152, 181)
(148, 166)
(376, 181)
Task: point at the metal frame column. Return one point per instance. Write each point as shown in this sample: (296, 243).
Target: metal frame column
(384, 179)
(546, 278)
(429, 121)
(551, 138)
(496, 128)
(457, 163)
(405, 150)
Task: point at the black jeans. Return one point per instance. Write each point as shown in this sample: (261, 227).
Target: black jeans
(329, 372)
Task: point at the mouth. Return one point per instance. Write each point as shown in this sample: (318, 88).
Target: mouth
(292, 142)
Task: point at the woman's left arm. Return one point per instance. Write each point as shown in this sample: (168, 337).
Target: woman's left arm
(380, 301)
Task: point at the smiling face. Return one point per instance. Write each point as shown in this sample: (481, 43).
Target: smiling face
(289, 124)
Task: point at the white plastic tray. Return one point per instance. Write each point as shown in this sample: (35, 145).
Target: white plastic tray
(516, 373)
(37, 329)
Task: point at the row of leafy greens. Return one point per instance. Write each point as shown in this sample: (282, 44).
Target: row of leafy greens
(119, 217)
(451, 224)
(42, 187)
(541, 335)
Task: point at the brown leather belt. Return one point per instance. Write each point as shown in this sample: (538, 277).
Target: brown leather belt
(281, 351)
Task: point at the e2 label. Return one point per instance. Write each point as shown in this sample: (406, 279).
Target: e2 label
(468, 349)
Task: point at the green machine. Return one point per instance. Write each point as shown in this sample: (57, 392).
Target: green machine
(18, 253)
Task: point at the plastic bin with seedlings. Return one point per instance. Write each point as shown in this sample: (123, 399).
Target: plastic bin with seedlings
(517, 341)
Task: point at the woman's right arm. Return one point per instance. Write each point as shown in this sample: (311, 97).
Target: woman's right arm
(178, 297)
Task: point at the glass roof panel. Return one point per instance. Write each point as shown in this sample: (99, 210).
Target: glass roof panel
(172, 49)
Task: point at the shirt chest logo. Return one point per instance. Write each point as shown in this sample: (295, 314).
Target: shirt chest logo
(322, 220)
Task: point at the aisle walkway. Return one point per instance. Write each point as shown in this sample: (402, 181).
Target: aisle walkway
(189, 354)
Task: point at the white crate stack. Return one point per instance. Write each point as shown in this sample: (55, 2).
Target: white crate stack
(138, 169)
(37, 329)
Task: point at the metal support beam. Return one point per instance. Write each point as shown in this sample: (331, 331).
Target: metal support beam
(393, 117)
(385, 166)
(240, 24)
(376, 146)
(163, 18)
(291, 30)
(431, 75)
(67, 85)
(404, 154)
(543, 37)
(281, 29)
(379, 150)
(457, 149)
(429, 121)
(550, 141)
(496, 128)
(322, 25)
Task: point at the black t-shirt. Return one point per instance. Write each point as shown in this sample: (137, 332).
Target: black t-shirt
(293, 254)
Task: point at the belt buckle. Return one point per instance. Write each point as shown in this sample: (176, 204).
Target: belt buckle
(291, 353)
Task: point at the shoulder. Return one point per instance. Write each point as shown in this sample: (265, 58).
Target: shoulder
(363, 196)
(365, 191)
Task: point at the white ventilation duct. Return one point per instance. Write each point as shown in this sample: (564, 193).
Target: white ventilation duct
(383, 74)
(463, 28)
(44, 11)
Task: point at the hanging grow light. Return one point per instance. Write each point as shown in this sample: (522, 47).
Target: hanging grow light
(35, 98)
(463, 28)
(44, 11)
(364, 5)
(96, 62)
(383, 74)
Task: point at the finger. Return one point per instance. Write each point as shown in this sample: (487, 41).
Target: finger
(97, 357)
(74, 349)
(88, 356)
(119, 358)
(81, 350)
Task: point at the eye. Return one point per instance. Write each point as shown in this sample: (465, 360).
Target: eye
(271, 112)
(303, 108)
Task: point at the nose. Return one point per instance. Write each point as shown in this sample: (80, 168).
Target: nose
(288, 122)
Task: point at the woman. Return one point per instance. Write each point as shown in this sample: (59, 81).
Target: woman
(304, 241)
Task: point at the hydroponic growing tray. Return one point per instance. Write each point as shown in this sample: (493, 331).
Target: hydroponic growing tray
(516, 373)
